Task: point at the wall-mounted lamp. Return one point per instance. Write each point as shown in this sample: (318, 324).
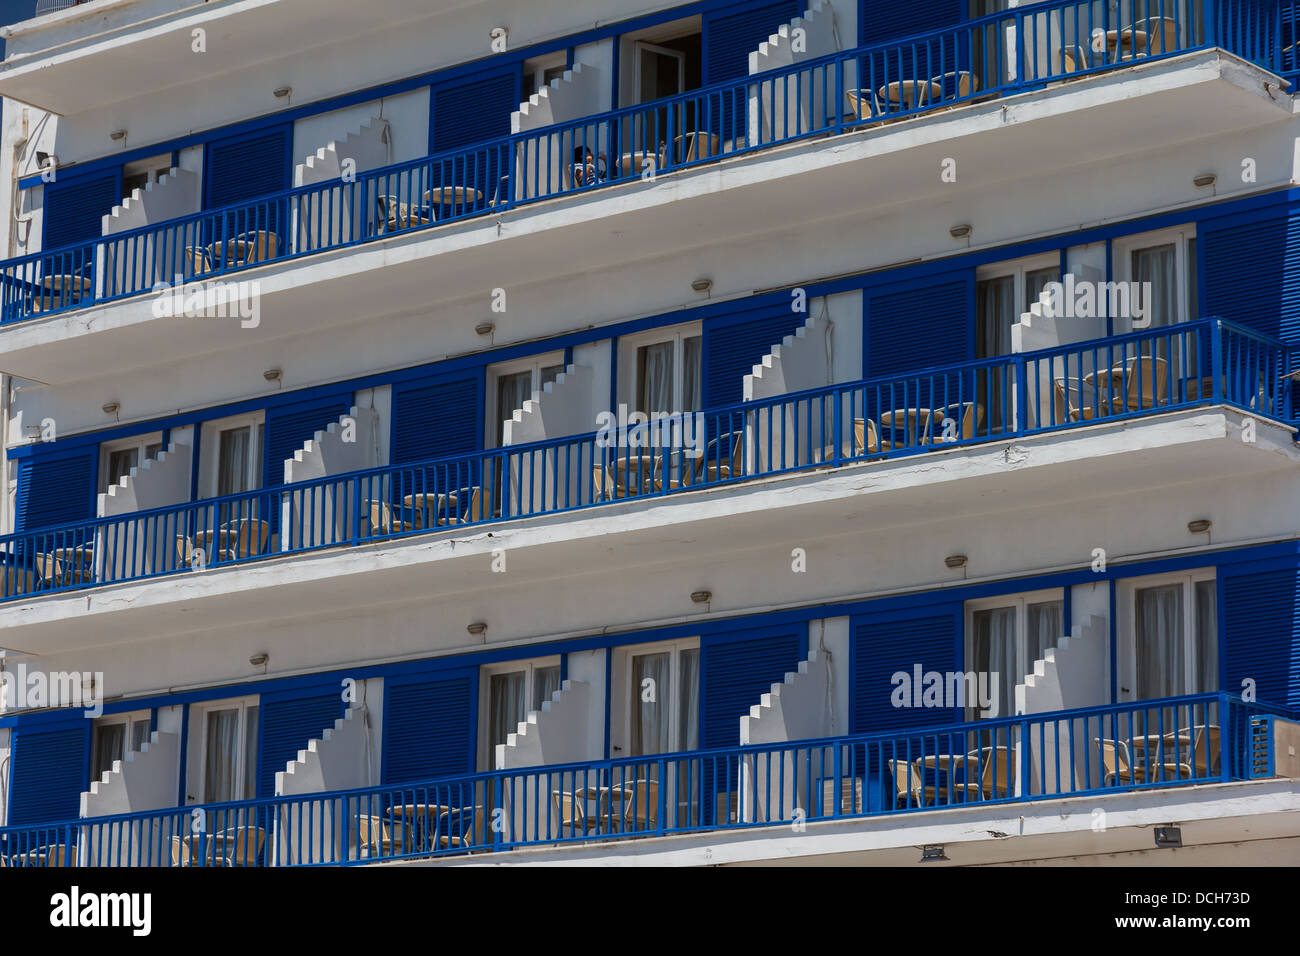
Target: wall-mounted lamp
(46, 160)
(701, 597)
(283, 92)
(485, 328)
(962, 231)
(111, 408)
(933, 853)
(118, 136)
(1199, 526)
(955, 561)
(1169, 838)
(259, 659)
(702, 285)
(273, 374)
(1205, 180)
(477, 628)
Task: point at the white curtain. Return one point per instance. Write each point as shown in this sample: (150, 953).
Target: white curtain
(995, 655)
(506, 703)
(1159, 649)
(1206, 673)
(232, 475)
(512, 392)
(692, 380)
(656, 363)
(649, 703)
(546, 681)
(688, 696)
(1158, 266)
(220, 756)
(1045, 624)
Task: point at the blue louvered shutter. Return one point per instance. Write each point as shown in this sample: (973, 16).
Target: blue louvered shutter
(56, 490)
(888, 643)
(288, 427)
(888, 22)
(1252, 272)
(1261, 641)
(736, 670)
(241, 169)
(734, 344)
(430, 724)
(73, 209)
(467, 112)
(919, 324)
(437, 419)
(729, 36)
(288, 720)
(51, 767)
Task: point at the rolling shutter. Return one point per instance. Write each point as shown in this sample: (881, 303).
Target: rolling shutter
(1251, 272)
(919, 324)
(1261, 641)
(437, 419)
(74, 209)
(729, 36)
(51, 768)
(883, 21)
(735, 671)
(888, 643)
(288, 721)
(56, 490)
(734, 344)
(467, 112)
(288, 427)
(430, 724)
(241, 169)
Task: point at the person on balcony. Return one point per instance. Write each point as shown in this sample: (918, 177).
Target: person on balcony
(585, 169)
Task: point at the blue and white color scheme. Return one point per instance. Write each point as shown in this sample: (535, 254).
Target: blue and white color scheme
(607, 431)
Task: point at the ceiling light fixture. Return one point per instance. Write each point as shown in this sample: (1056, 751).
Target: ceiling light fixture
(962, 231)
(259, 659)
(702, 285)
(477, 628)
(933, 853)
(1169, 838)
(272, 374)
(111, 408)
(118, 136)
(701, 597)
(485, 328)
(283, 92)
(955, 560)
(1205, 180)
(1199, 526)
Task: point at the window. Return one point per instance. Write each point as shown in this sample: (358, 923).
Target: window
(664, 698)
(1170, 644)
(664, 370)
(1005, 637)
(515, 384)
(117, 458)
(142, 172)
(540, 71)
(232, 449)
(512, 691)
(114, 738)
(1003, 293)
(1164, 266)
(662, 61)
(229, 760)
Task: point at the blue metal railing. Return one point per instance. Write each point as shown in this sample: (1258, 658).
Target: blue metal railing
(1091, 751)
(1072, 386)
(997, 55)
